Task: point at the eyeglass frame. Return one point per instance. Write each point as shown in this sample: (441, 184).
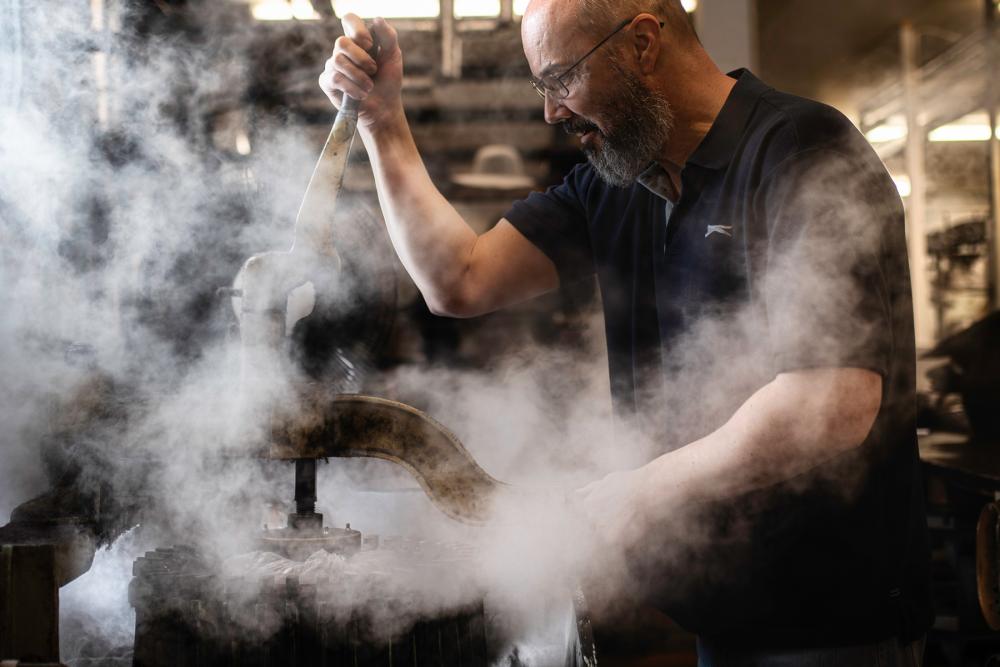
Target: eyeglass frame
(543, 91)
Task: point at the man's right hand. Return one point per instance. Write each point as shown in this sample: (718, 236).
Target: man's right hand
(459, 273)
(376, 83)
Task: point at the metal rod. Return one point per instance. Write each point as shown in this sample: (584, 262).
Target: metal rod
(305, 486)
(450, 67)
(314, 221)
(992, 108)
(506, 11)
(916, 212)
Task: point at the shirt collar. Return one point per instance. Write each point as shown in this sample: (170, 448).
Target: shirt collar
(656, 180)
(717, 147)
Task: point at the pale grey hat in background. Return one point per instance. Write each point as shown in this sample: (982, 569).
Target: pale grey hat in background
(496, 167)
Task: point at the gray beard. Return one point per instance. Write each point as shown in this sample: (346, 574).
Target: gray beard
(641, 121)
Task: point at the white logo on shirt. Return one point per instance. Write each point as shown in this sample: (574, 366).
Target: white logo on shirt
(727, 230)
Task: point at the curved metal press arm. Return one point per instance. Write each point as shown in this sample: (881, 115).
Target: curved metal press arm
(354, 426)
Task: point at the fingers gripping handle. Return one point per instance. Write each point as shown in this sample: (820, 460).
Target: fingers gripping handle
(350, 105)
(314, 223)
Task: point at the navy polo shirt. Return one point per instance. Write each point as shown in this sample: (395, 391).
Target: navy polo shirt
(785, 251)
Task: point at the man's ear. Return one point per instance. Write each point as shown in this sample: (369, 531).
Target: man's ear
(647, 42)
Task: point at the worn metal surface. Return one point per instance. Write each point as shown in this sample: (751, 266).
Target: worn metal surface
(52, 538)
(299, 544)
(73, 545)
(266, 279)
(988, 563)
(29, 603)
(187, 614)
(347, 304)
(320, 426)
(581, 650)
(37, 557)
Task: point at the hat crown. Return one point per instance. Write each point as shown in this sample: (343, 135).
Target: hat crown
(498, 159)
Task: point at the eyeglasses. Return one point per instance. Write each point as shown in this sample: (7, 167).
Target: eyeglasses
(554, 87)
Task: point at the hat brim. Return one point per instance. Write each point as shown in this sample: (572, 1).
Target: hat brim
(494, 181)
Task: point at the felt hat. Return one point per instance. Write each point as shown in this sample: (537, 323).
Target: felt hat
(496, 167)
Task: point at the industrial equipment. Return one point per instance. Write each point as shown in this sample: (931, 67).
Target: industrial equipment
(309, 319)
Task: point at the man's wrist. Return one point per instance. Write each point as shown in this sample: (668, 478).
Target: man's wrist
(646, 490)
(656, 490)
(387, 126)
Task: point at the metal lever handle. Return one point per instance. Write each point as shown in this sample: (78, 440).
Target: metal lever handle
(313, 224)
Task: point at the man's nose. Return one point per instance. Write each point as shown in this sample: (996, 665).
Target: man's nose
(555, 112)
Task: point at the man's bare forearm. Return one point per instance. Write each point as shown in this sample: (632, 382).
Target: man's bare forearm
(432, 240)
(458, 272)
(787, 427)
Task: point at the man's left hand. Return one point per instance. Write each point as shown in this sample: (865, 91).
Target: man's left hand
(616, 507)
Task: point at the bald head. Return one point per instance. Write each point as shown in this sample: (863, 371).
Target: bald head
(549, 21)
(596, 17)
(600, 15)
(555, 32)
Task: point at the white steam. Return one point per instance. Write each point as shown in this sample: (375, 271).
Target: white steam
(115, 237)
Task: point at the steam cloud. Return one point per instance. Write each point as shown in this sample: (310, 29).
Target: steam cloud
(120, 217)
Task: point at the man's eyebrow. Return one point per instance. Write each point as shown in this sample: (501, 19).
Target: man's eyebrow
(550, 67)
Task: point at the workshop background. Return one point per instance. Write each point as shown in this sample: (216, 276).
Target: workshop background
(148, 148)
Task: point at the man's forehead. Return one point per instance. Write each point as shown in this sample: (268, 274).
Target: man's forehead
(547, 33)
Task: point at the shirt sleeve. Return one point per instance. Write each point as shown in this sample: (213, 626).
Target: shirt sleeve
(825, 287)
(556, 222)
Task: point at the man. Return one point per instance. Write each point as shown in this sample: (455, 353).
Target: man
(750, 253)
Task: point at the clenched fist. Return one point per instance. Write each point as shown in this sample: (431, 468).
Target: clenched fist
(375, 82)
